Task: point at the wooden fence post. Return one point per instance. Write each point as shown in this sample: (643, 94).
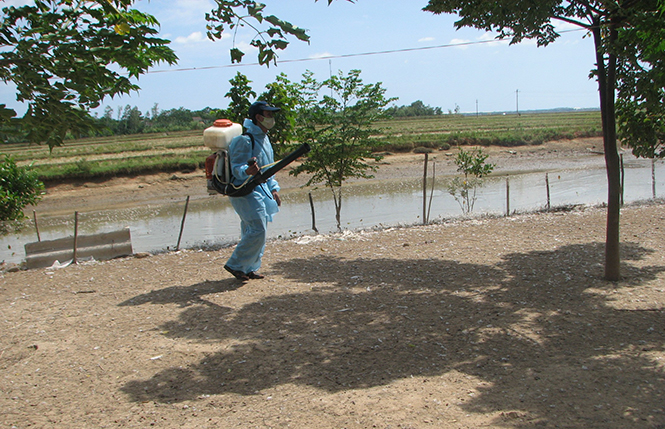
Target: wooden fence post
(182, 224)
(34, 216)
(425, 190)
(311, 206)
(431, 194)
(507, 196)
(547, 185)
(653, 178)
(76, 235)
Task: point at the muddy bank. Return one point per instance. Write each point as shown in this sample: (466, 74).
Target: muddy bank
(163, 188)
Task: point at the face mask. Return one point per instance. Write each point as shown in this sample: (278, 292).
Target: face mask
(268, 123)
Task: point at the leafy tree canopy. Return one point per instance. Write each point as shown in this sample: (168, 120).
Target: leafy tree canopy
(628, 38)
(339, 126)
(66, 56)
(286, 95)
(61, 57)
(640, 105)
(631, 34)
(271, 32)
(240, 95)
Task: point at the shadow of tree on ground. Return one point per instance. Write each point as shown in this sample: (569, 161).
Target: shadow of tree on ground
(542, 345)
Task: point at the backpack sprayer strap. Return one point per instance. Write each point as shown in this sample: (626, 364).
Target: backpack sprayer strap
(248, 177)
(260, 178)
(227, 179)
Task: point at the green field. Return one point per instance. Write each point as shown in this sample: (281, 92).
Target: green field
(487, 130)
(147, 153)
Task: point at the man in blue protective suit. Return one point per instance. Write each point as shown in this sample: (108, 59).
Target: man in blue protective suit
(257, 208)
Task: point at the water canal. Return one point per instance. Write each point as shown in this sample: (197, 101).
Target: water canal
(212, 223)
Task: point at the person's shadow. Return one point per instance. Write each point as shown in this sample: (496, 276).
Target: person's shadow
(184, 296)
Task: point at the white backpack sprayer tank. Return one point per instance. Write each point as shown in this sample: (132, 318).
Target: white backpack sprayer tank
(220, 134)
(218, 137)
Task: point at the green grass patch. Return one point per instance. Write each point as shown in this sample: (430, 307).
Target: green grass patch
(491, 130)
(93, 169)
(25, 153)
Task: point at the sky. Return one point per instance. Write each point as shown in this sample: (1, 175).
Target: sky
(416, 55)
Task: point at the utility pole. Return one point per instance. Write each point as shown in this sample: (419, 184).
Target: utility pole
(517, 101)
(330, 68)
(476, 107)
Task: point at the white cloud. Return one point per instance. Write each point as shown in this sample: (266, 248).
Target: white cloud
(246, 47)
(564, 26)
(16, 3)
(491, 37)
(486, 36)
(462, 42)
(426, 39)
(177, 13)
(195, 37)
(321, 55)
(193, 9)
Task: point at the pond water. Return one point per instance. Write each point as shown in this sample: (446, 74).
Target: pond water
(211, 222)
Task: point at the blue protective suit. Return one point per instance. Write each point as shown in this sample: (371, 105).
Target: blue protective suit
(257, 208)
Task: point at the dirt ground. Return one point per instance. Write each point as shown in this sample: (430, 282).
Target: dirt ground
(488, 322)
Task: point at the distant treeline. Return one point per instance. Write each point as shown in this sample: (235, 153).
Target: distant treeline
(417, 108)
(130, 120)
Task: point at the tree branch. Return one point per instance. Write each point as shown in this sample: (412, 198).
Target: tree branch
(590, 8)
(574, 22)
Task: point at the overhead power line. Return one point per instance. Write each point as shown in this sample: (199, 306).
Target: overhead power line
(332, 57)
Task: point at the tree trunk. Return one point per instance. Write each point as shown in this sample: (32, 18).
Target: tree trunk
(337, 200)
(606, 87)
(338, 211)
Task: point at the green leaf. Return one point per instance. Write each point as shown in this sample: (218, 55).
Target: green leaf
(236, 55)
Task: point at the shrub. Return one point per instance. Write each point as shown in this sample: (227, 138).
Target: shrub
(472, 165)
(19, 187)
(421, 149)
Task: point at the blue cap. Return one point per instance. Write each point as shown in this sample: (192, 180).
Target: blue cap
(260, 106)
